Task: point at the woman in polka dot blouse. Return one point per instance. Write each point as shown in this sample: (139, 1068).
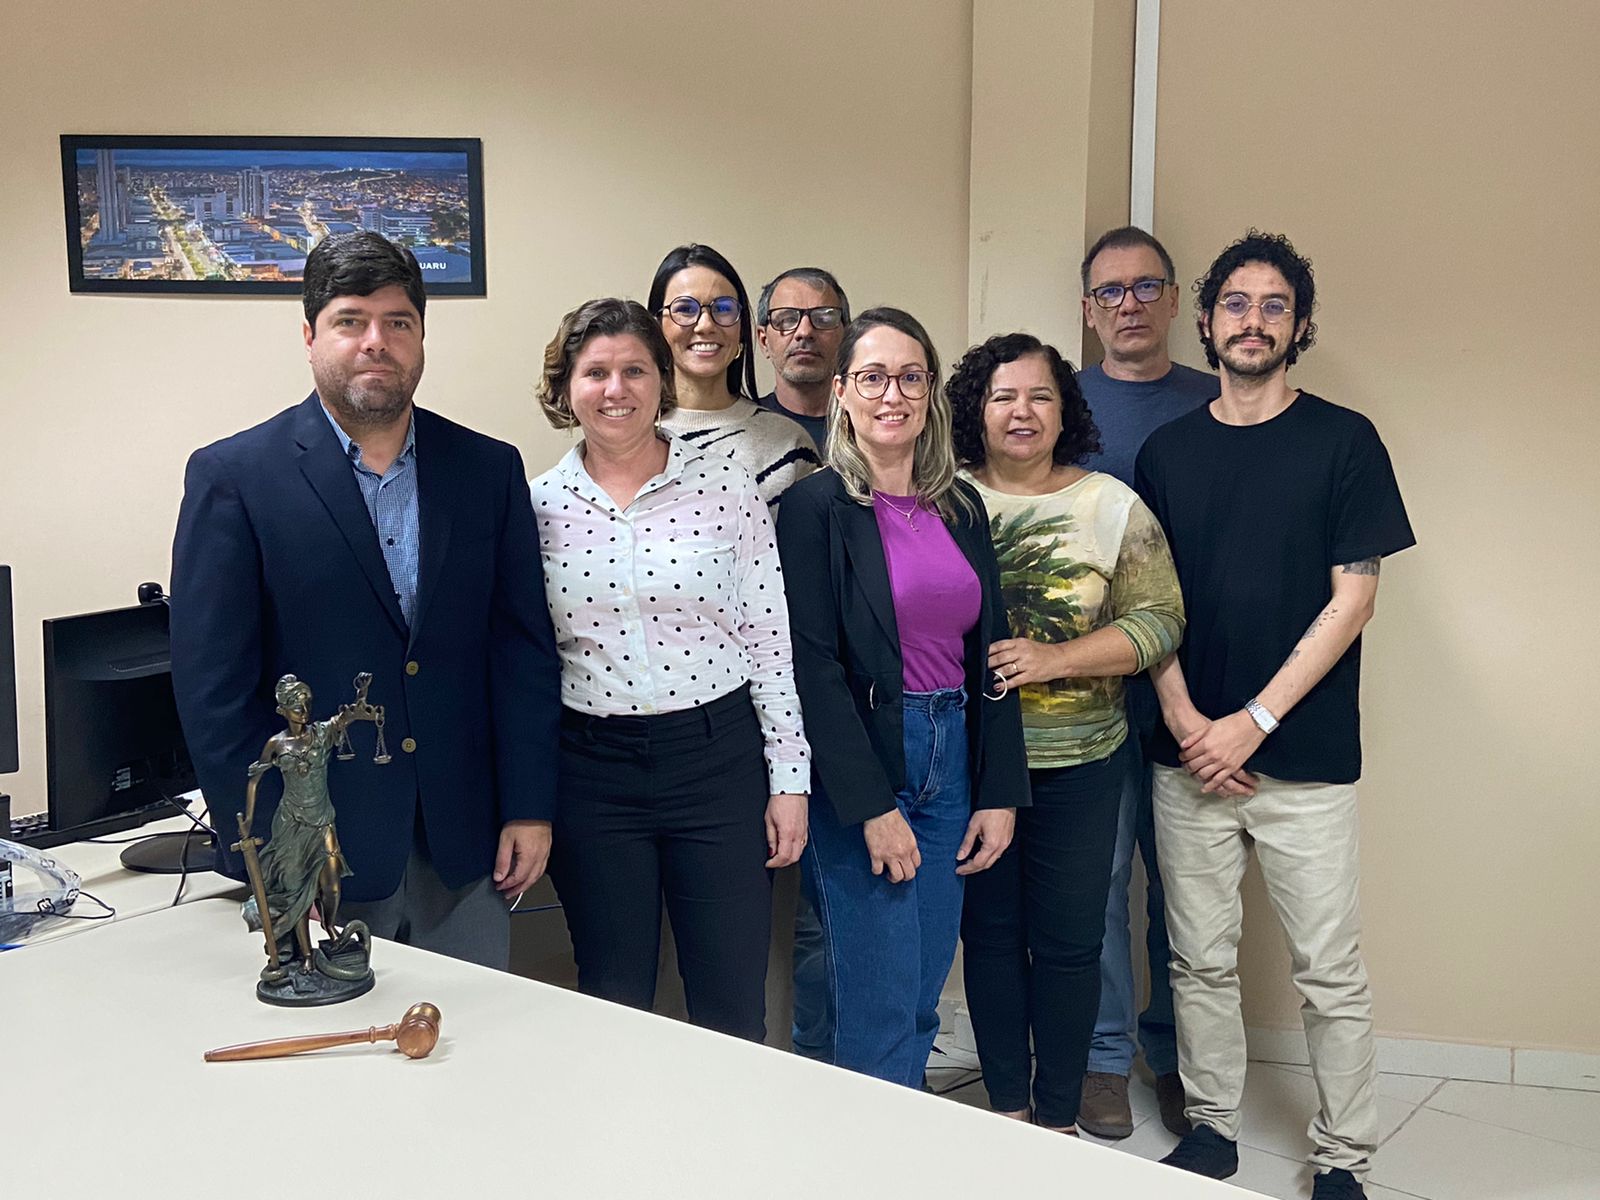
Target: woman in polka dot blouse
(895, 598)
(684, 768)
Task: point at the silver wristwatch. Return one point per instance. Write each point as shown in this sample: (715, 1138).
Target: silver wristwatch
(1264, 720)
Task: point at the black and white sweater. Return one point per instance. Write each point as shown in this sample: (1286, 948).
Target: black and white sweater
(771, 447)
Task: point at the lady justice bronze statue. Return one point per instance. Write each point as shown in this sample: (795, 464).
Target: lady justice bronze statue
(302, 864)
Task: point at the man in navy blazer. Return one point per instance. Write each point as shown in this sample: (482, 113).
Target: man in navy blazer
(354, 532)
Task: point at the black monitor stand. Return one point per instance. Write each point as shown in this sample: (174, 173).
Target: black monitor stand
(171, 853)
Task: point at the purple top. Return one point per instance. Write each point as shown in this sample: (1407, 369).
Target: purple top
(936, 592)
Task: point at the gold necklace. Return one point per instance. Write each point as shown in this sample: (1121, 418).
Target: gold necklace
(909, 514)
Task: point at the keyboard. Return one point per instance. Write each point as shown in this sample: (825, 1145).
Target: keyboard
(35, 831)
(28, 826)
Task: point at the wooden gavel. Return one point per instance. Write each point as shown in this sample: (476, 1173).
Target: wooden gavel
(416, 1033)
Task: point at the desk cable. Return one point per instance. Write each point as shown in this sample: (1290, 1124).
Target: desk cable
(48, 908)
(183, 861)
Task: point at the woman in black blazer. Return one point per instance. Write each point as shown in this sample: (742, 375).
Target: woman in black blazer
(894, 598)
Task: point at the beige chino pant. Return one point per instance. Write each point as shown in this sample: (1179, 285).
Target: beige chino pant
(1305, 837)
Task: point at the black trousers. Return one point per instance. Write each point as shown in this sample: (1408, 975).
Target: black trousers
(1031, 928)
(670, 806)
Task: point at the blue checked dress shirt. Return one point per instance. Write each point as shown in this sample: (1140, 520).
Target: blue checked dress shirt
(391, 500)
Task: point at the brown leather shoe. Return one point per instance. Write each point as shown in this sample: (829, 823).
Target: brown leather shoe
(1172, 1100)
(1103, 1110)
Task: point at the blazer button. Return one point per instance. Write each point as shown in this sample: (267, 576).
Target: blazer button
(412, 668)
(409, 745)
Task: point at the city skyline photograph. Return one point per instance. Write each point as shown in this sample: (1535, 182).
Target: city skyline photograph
(186, 215)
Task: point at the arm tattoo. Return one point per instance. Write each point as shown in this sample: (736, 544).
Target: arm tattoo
(1367, 566)
(1324, 616)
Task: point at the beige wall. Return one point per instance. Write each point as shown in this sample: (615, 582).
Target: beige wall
(1437, 162)
(1427, 156)
(828, 134)
(1052, 85)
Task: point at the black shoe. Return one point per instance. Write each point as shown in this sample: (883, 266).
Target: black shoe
(1337, 1184)
(1204, 1151)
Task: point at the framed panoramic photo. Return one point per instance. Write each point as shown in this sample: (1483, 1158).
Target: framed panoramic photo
(184, 215)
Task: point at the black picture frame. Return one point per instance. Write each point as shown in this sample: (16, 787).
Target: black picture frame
(240, 236)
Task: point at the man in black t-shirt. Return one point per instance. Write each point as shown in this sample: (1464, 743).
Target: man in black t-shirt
(1279, 507)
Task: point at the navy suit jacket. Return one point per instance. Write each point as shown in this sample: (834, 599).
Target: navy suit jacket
(847, 663)
(276, 570)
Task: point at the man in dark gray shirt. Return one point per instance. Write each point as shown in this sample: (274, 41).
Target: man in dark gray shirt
(1130, 296)
(800, 320)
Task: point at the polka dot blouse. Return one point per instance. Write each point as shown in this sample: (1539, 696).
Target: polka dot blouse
(673, 601)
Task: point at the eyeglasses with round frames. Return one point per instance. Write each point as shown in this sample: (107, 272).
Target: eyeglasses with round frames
(872, 384)
(1145, 291)
(1237, 304)
(685, 310)
(786, 320)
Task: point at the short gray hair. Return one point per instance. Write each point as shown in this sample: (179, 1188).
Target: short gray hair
(816, 277)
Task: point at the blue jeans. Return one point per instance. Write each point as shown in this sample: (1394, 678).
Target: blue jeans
(888, 947)
(812, 1034)
(1112, 1050)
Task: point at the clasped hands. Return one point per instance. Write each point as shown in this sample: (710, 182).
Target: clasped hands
(1215, 752)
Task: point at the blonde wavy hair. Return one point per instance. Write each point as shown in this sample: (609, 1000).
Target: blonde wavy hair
(933, 462)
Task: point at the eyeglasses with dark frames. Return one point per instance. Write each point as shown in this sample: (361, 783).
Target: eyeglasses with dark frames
(872, 383)
(1237, 304)
(786, 320)
(686, 310)
(1145, 291)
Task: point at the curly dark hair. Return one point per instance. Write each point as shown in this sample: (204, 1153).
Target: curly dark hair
(968, 392)
(1275, 250)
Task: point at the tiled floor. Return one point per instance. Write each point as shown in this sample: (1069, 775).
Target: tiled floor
(1441, 1139)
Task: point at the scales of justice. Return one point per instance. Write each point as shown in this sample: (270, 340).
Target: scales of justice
(301, 865)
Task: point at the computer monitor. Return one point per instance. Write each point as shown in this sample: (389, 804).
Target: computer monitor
(8, 715)
(8, 681)
(114, 750)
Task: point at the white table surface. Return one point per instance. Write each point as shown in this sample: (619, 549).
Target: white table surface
(533, 1091)
(131, 893)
